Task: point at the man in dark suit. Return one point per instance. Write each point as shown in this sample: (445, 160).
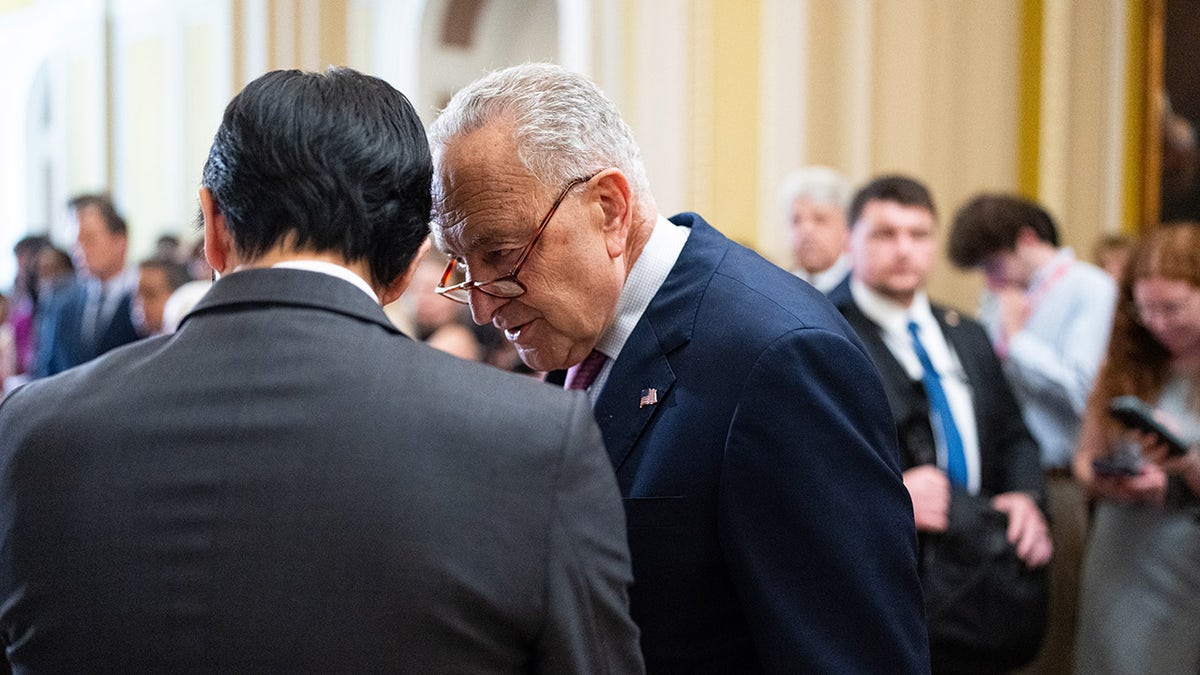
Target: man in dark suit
(288, 484)
(97, 315)
(769, 528)
(959, 425)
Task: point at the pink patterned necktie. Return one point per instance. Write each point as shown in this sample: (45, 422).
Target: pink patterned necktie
(582, 374)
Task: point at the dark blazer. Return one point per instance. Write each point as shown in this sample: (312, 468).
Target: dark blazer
(769, 528)
(288, 484)
(1009, 461)
(69, 349)
(840, 293)
(1008, 455)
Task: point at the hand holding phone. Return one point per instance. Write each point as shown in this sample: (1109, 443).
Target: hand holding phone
(1134, 413)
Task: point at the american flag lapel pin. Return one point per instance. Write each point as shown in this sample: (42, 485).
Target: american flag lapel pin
(649, 397)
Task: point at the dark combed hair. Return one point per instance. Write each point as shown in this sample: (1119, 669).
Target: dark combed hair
(990, 223)
(331, 162)
(104, 205)
(891, 188)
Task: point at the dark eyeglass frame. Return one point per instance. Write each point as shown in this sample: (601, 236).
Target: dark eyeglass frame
(506, 286)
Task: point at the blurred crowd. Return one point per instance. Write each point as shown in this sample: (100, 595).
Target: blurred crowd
(72, 301)
(1001, 414)
(1112, 529)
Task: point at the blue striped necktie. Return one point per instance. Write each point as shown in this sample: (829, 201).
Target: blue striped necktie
(943, 422)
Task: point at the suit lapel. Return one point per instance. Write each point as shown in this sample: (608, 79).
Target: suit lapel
(968, 358)
(642, 365)
(897, 384)
(667, 324)
(951, 325)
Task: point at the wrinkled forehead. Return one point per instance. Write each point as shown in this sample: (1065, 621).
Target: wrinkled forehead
(482, 194)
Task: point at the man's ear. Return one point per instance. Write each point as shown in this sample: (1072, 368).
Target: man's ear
(394, 289)
(218, 243)
(616, 202)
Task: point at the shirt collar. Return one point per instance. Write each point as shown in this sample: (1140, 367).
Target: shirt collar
(885, 312)
(116, 285)
(332, 270)
(1064, 256)
(645, 278)
(824, 281)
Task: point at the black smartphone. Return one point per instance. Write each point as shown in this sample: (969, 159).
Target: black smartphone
(1134, 413)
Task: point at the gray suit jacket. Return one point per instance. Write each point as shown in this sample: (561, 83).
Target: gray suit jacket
(288, 484)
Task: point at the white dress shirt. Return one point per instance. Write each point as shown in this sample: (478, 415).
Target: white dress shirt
(825, 281)
(332, 270)
(893, 320)
(647, 276)
(1052, 361)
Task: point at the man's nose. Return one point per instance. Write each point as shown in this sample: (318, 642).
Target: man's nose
(484, 306)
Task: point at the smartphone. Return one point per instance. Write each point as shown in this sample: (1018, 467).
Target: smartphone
(1134, 413)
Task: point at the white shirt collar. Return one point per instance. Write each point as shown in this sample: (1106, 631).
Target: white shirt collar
(826, 280)
(647, 276)
(332, 270)
(889, 315)
(117, 285)
(649, 272)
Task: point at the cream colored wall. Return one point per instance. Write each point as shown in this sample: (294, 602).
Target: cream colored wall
(724, 95)
(923, 87)
(50, 53)
(172, 66)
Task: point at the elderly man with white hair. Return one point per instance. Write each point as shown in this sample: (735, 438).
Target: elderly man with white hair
(813, 203)
(768, 525)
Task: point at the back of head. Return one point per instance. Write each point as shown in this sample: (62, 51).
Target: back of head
(818, 184)
(329, 162)
(563, 125)
(990, 223)
(891, 188)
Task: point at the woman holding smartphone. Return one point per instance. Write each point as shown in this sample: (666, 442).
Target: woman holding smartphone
(1140, 601)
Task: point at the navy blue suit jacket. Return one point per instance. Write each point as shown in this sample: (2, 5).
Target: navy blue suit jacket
(70, 349)
(768, 524)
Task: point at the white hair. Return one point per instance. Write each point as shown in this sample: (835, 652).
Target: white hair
(819, 184)
(563, 125)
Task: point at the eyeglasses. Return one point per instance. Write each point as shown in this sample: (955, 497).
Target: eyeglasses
(1164, 311)
(507, 286)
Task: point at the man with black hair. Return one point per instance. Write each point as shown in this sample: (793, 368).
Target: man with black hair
(289, 484)
(1048, 315)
